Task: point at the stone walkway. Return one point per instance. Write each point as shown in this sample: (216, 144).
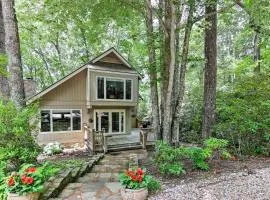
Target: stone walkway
(102, 183)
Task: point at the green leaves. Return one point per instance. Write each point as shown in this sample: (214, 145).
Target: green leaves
(243, 115)
(16, 130)
(171, 161)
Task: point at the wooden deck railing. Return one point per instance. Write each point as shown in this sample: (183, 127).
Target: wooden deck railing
(144, 136)
(94, 140)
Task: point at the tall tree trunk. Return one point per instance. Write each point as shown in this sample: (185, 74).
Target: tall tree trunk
(12, 42)
(171, 27)
(210, 72)
(162, 64)
(4, 88)
(152, 69)
(182, 73)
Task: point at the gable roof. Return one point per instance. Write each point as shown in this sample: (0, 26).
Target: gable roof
(116, 53)
(80, 69)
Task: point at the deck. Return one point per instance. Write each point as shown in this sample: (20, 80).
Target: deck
(133, 137)
(137, 139)
(129, 141)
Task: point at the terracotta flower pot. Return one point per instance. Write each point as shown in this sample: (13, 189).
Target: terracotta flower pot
(30, 196)
(129, 194)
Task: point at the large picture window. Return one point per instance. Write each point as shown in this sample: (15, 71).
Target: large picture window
(114, 88)
(60, 120)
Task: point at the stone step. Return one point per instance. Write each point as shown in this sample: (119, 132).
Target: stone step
(99, 177)
(118, 161)
(109, 168)
(103, 177)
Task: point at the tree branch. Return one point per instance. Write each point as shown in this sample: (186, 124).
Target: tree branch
(199, 18)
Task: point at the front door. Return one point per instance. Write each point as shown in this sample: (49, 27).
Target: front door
(112, 121)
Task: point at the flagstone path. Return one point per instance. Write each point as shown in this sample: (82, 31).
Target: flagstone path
(102, 183)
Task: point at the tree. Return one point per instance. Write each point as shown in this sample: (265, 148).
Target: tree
(152, 69)
(12, 42)
(4, 89)
(210, 71)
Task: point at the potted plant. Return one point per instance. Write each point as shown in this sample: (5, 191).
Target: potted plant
(27, 184)
(135, 183)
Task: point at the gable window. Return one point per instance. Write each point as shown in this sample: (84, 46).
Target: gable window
(109, 88)
(60, 120)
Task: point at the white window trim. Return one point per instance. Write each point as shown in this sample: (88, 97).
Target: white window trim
(105, 92)
(110, 119)
(51, 122)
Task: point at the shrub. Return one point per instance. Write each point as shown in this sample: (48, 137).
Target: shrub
(170, 160)
(3, 170)
(243, 115)
(153, 184)
(167, 159)
(17, 144)
(53, 148)
(216, 148)
(196, 154)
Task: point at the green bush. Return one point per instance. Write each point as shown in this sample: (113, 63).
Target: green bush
(153, 184)
(243, 115)
(170, 160)
(3, 173)
(216, 148)
(196, 154)
(17, 128)
(167, 159)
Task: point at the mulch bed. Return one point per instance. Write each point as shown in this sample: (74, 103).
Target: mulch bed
(217, 168)
(66, 156)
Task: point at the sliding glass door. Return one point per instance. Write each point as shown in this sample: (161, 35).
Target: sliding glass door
(112, 121)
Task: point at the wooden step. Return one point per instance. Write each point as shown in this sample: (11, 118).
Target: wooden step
(126, 146)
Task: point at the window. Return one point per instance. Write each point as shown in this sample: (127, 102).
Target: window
(100, 87)
(128, 89)
(45, 121)
(114, 88)
(76, 120)
(112, 121)
(60, 120)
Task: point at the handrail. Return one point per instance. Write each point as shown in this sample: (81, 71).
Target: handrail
(146, 135)
(143, 138)
(105, 141)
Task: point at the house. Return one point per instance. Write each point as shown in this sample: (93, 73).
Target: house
(102, 94)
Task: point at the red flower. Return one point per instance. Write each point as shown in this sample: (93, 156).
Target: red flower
(31, 170)
(140, 178)
(30, 180)
(139, 171)
(134, 178)
(11, 182)
(27, 180)
(130, 173)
